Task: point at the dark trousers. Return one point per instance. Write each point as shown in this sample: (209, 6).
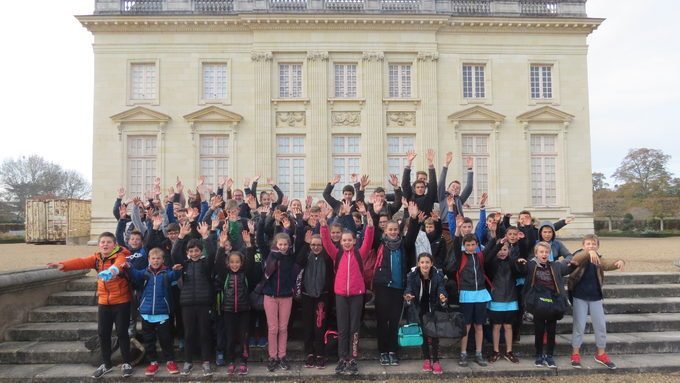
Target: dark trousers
(429, 343)
(542, 326)
(176, 315)
(236, 328)
(388, 305)
(219, 327)
(197, 332)
(107, 315)
(258, 324)
(163, 331)
(517, 324)
(348, 311)
(135, 294)
(314, 323)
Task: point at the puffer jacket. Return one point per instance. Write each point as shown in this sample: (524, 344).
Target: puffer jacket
(280, 275)
(197, 276)
(116, 290)
(349, 277)
(414, 286)
(156, 297)
(233, 286)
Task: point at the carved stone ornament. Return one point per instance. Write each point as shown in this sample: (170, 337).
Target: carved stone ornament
(401, 119)
(317, 56)
(428, 56)
(346, 119)
(290, 119)
(261, 56)
(373, 56)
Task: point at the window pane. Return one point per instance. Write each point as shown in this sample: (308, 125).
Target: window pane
(214, 81)
(142, 81)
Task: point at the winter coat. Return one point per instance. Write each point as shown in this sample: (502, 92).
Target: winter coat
(349, 277)
(383, 263)
(116, 290)
(233, 287)
(197, 276)
(156, 297)
(414, 287)
(502, 273)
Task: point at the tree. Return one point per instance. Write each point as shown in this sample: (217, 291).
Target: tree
(645, 169)
(599, 181)
(33, 176)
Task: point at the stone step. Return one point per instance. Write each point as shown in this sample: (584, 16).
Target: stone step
(617, 344)
(648, 278)
(68, 331)
(83, 284)
(641, 291)
(82, 298)
(63, 314)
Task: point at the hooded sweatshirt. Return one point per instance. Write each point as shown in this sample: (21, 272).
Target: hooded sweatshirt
(349, 277)
(557, 248)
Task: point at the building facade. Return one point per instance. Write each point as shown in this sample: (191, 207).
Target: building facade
(300, 90)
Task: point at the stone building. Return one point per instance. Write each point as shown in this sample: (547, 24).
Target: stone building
(305, 89)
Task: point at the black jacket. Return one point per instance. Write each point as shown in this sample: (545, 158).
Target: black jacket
(383, 272)
(197, 276)
(413, 287)
(233, 286)
(310, 262)
(502, 273)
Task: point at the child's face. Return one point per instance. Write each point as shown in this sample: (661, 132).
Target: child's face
(357, 221)
(282, 246)
(392, 230)
(512, 236)
(336, 233)
(135, 241)
(194, 253)
(172, 235)
(420, 188)
(547, 234)
(382, 223)
(542, 254)
(470, 247)
(106, 245)
(466, 228)
(155, 261)
(454, 188)
(265, 199)
(347, 241)
(525, 219)
(316, 246)
(234, 262)
(429, 228)
(590, 244)
(425, 264)
(504, 251)
(347, 195)
(296, 204)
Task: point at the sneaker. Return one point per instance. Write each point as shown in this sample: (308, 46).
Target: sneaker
(283, 363)
(101, 371)
(320, 362)
(252, 342)
(495, 357)
(262, 343)
(186, 369)
(576, 360)
(605, 361)
(171, 366)
(427, 365)
(539, 361)
(231, 368)
(384, 359)
(309, 361)
(527, 317)
(463, 360)
(126, 369)
(243, 369)
(219, 359)
(549, 362)
(437, 368)
(510, 357)
(207, 370)
(272, 364)
(152, 369)
(394, 359)
(352, 368)
(479, 359)
(341, 367)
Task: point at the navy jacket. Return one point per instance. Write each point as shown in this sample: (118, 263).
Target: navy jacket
(156, 297)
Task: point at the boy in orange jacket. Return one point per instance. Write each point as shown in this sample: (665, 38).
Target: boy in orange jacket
(113, 298)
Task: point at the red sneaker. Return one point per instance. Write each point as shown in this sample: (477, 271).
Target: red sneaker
(427, 365)
(243, 369)
(152, 369)
(171, 366)
(605, 361)
(437, 368)
(231, 369)
(576, 360)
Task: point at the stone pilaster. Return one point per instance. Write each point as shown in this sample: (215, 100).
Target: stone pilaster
(427, 90)
(373, 125)
(318, 129)
(262, 65)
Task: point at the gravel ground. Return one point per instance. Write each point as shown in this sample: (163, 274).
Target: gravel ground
(640, 254)
(595, 378)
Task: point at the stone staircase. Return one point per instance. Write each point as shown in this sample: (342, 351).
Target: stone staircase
(643, 314)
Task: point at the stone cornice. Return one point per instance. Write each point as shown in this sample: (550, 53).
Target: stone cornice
(245, 23)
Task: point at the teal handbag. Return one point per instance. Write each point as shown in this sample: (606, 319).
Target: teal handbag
(410, 334)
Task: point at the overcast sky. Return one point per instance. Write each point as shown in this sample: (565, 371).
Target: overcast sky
(46, 80)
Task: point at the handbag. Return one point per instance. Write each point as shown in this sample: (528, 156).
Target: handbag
(409, 334)
(543, 302)
(443, 324)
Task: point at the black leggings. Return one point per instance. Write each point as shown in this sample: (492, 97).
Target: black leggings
(236, 328)
(164, 332)
(541, 326)
(197, 332)
(108, 315)
(388, 306)
(348, 310)
(314, 323)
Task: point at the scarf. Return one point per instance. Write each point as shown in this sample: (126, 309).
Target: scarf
(392, 244)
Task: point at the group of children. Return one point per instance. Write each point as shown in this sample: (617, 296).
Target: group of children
(214, 268)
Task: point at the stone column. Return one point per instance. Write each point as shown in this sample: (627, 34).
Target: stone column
(427, 90)
(373, 117)
(318, 129)
(263, 112)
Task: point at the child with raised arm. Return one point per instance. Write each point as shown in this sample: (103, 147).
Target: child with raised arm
(113, 299)
(585, 287)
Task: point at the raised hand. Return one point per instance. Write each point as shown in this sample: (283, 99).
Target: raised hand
(394, 181)
(216, 201)
(353, 178)
(346, 208)
(369, 220)
(251, 226)
(378, 205)
(203, 229)
(246, 182)
(308, 236)
(179, 186)
(569, 219)
(468, 163)
(171, 191)
(224, 239)
(192, 213)
(246, 238)
(256, 178)
(435, 215)
(270, 181)
(121, 192)
(285, 200)
(229, 183)
(364, 181)
(430, 157)
(421, 217)
(122, 211)
(482, 201)
(410, 155)
(184, 230)
(251, 201)
(308, 202)
(459, 221)
(361, 208)
(413, 209)
(448, 158)
(277, 215)
(450, 202)
(285, 221)
(214, 224)
(335, 179)
(157, 222)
